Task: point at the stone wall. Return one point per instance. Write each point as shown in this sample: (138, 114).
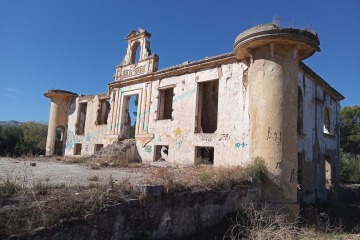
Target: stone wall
(155, 216)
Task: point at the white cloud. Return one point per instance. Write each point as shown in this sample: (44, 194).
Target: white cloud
(10, 96)
(12, 90)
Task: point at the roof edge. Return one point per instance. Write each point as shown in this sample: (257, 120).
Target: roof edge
(319, 80)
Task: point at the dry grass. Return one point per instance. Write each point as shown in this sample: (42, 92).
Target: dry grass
(93, 178)
(272, 224)
(8, 188)
(44, 204)
(198, 177)
(263, 224)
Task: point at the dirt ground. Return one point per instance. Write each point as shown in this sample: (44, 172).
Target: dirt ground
(56, 172)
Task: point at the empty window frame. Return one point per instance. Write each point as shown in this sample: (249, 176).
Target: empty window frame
(103, 112)
(135, 52)
(207, 107)
(59, 133)
(300, 119)
(80, 124)
(77, 149)
(165, 103)
(327, 121)
(327, 171)
(98, 147)
(204, 155)
(161, 152)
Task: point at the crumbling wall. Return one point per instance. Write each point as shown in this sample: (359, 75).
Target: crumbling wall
(155, 216)
(94, 131)
(230, 140)
(314, 145)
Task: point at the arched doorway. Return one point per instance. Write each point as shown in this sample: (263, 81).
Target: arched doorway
(59, 140)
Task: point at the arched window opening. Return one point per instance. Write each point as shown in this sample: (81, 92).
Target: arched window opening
(59, 133)
(327, 121)
(300, 119)
(135, 52)
(59, 140)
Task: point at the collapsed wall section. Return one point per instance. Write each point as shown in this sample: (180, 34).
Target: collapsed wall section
(208, 109)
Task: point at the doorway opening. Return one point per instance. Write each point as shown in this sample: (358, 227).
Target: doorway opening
(129, 116)
(59, 140)
(207, 107)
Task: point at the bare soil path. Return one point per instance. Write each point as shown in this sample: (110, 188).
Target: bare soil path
(54, 172)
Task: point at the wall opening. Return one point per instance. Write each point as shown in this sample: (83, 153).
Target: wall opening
(81, 120)
(135, 52)
(129, 116)
(204, 155)
(98, 147)
(301, 159)
(328, 172)
(59, 140)
(161, 152)
(103, 112)
(327, 121)
(207, 107)
(165, 103)
(77, 149)
(300, 119)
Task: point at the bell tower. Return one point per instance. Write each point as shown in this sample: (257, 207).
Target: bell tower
(147, 62)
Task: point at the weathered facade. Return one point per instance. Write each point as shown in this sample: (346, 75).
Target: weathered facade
(257, 102)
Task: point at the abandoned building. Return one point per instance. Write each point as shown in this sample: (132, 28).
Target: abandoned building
(258, 102)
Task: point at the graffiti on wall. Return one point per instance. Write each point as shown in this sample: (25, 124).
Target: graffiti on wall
(273, 135)
(240, 145)
(224, 137)
(72, 138)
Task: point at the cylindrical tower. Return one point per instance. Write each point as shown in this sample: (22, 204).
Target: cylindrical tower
(273, 55)
(60, 100)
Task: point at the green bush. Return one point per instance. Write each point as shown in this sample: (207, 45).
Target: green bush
(349, 167)
(257, 170)
(28, 138)
(10, 140)
(9, 188)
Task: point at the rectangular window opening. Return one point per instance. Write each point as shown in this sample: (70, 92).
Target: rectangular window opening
(98, 147)
(80, 124)
(204, 155)
(161, 152)
(328, 171)
(206, 115)
(165, 103)
(77, 149)
(103, 112)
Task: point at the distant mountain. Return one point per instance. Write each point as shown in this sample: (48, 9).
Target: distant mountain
(11, 122)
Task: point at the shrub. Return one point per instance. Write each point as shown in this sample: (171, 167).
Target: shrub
(257, 170)
(265, 223)
(9, 188)
(349, 168)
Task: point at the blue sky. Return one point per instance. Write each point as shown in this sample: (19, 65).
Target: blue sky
(75, 44)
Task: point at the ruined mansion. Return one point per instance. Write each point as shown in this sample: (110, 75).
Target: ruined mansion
(259, 101)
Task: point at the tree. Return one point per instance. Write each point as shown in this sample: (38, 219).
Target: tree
(34, 139)
(10, 139)
(350, 130)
